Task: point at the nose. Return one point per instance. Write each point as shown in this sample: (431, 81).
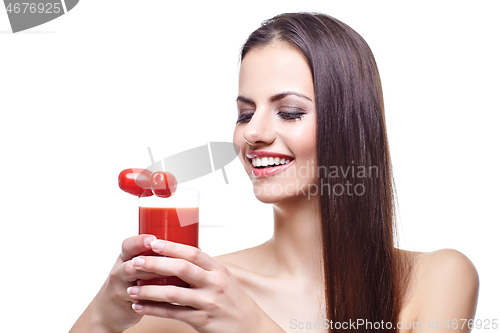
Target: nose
(259, 130)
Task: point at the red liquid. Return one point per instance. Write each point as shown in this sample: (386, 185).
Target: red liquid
(164, 224)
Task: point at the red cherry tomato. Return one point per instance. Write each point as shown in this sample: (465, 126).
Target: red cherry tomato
(135, 182)
(163, 184)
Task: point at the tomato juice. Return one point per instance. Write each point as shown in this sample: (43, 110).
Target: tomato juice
(178, 225)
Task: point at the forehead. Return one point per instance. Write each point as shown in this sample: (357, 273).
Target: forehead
(272, 69)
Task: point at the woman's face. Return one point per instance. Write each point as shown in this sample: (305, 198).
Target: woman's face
(276, 126)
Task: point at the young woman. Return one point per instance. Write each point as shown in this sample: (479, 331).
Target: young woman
(312, 135)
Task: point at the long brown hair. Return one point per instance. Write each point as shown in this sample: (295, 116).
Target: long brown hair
(365, 277)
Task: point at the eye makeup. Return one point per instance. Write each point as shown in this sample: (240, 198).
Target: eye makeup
(288, 106)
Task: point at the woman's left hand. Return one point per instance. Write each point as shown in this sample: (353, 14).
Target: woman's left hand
(214, 302)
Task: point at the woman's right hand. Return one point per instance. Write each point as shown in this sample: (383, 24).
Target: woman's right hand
(111, 310)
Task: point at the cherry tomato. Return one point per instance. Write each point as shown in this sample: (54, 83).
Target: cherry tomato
(163, 184)
(135, 182)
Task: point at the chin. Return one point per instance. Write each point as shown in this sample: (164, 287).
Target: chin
(267, 199)
(273, 193)
(268, 193)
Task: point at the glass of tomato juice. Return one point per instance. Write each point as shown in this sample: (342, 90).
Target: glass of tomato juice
(175, 219)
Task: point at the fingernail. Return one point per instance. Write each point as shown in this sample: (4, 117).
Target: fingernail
(133, 290)
(138, 261)
(137, 306)
(156, 245)
(148, 241)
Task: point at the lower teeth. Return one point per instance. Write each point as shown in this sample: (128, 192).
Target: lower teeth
(269, 166)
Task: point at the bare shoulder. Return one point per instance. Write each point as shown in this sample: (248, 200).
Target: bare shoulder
(444, 286)
(233, 259)
(445, 267)
(252, 259)
(253, 268)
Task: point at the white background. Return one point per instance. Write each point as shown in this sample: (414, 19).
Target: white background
(83, 96)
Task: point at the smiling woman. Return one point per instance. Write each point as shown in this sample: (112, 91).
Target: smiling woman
(344, 125)
(276, 110)
(309, 101)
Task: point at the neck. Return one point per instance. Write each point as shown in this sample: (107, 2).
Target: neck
(296, 244)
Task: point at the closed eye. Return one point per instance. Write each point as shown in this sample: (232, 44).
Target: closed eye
(288, 116)
(290, 113)
(244, 118)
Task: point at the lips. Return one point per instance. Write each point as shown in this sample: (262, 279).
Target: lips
(266, 163)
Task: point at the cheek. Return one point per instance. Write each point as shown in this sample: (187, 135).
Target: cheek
(304, 146)
(310, 142)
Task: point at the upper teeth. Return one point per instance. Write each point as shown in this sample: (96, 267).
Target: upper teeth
(265, 161)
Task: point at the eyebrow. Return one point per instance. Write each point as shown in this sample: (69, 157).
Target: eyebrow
(274, 98)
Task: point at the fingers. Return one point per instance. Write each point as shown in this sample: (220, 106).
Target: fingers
(169, 294)
(136, 245)
(186, 252)
(131, 273)
(167, 310)
(183, 269)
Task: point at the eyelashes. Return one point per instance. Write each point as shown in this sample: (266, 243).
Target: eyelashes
(244, 118)
(284, 115)
(288, 116)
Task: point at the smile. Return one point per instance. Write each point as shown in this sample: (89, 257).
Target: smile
(266, 163)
